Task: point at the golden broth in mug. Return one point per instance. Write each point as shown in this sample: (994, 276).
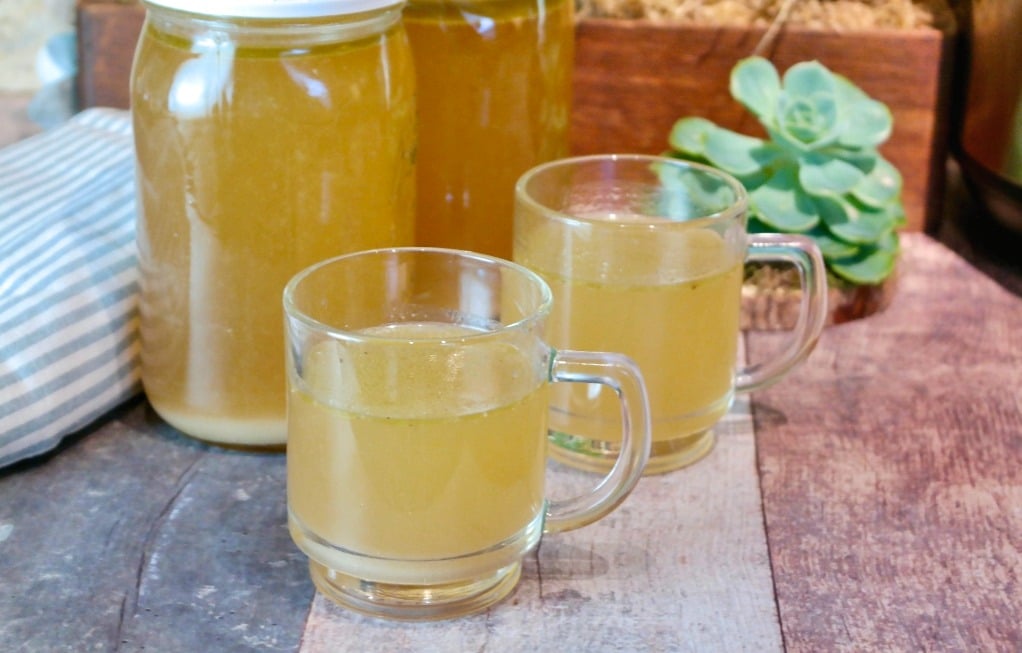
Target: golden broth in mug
(390, 457)
(668, 300)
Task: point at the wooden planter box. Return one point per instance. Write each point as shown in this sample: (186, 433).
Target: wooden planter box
(107, 34)
(634, 79)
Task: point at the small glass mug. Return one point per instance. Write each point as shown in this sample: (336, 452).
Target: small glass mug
(417, 428)
(645, 256)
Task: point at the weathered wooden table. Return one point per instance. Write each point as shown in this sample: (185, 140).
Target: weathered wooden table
(875, 505)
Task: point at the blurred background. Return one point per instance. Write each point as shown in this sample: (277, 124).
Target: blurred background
(37, 65)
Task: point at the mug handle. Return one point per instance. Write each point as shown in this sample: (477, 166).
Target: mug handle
(622, 375)
(803, 252)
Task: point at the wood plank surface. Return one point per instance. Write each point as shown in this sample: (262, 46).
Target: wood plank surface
(681, 566)
(891, 467)
(133, 537)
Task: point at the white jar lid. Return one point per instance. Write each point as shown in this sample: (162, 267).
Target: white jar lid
(274, 8)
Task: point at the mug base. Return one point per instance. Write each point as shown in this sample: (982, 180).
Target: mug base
(414, 602)
(599, 456)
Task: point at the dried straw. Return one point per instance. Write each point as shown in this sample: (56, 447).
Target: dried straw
(822, 14)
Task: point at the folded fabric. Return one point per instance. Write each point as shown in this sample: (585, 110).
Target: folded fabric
(69, 347)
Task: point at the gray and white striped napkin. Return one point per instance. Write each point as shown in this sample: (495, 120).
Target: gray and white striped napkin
(68, 281)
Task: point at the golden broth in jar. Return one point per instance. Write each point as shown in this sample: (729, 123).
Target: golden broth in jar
(494, 85)
(263, 145)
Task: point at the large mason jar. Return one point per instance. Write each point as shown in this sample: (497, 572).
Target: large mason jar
(494, 84)
(270, 134)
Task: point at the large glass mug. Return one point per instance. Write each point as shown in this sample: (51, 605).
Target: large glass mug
(645, 256)
(494, 85)
(417, 428)
(269, 135)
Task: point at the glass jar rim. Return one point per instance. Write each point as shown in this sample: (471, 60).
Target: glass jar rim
(274, 8)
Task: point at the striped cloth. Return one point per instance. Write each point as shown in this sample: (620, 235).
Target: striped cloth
(68, 281)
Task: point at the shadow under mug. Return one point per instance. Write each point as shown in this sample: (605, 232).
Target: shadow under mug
(645, 255)
(417, 428)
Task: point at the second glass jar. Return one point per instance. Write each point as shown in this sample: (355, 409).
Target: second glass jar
(494, 99)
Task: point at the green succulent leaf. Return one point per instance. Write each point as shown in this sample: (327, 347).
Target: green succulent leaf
(781, 204)
(823, 175)
(697, 194)
(807, 110)
(737, 153)
(871, 265)
(756, 84)
(754, 180)
(808, 78)
(867, 123)
(818, 172)
(854, 222)
(832, 248)
(756, 226)
(881, 186)
(864, 159)
(896, 211)
(689, 135)
(807, 123)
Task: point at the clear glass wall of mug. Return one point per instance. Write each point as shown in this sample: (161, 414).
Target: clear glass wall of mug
(417, 421)
(494, 98)
(269, 136)
(645, 256)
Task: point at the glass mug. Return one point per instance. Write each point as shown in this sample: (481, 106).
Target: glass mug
(417, 428)
(645, 256)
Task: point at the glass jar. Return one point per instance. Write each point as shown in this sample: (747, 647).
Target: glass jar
(269, 135)
(494, 85)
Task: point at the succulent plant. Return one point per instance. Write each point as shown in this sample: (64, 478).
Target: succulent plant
(819, 173)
